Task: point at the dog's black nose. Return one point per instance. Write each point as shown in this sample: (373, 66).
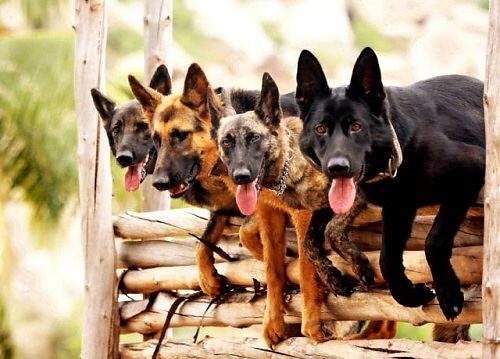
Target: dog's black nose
(161, 183)
(338, 166)
(242, 175)
(125, 158)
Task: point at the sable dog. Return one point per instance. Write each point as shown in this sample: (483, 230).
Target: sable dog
(128, 131)
(267, 171)
(358, 135)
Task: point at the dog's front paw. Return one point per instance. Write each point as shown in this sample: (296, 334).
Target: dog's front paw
(451, 300)
(364, 272)
(273, 331)
(212, 284)
(317, 332)
(338, 283)
(413, 296)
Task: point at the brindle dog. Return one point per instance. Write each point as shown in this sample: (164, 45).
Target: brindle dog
(128, 131)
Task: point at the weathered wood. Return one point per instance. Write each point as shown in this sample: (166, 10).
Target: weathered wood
(170, 223)
(157, 50)
(253, 348)
(170, 252)
(366, 234)
(100, 325)
(242, 310)
(491, 274)
(467, 262)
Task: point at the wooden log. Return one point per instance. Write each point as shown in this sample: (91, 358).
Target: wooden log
(177, 223)
(241, 310)
(171, 223)
(253, 348)
(100, 319)
(467, 262)
(158, 46)
(491, 276)
(170, 252)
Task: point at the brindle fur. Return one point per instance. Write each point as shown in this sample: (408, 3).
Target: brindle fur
(305, 192)
(126, 127)
(450, 333)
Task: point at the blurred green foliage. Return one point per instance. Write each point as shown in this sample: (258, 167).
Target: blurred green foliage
(37, 127)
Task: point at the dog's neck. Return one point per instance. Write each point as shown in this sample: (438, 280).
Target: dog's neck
(277, 176)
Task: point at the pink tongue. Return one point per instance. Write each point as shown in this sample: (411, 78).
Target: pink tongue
(341, 195)
(133, 177)
(246, 198)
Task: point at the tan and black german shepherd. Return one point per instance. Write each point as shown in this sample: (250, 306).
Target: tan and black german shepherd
(129, 133)
(268, 171)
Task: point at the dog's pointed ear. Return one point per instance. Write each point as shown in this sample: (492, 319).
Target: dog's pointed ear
(311, 82)
(366, 80)
(225, 98)
(161, 80)
(147, 97)
(220, 169)
(195, 90)
(103, 105)
(214, 110)
(268, 107)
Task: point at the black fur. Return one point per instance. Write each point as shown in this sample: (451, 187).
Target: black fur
(440, 126)
(246, 100)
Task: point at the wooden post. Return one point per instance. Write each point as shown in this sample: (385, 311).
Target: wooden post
(491, 264)
(157, 50)
(100, 325)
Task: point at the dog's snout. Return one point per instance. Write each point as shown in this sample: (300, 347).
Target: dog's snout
(338, 166)
(161, 183)
(125, 158)
(242, 175)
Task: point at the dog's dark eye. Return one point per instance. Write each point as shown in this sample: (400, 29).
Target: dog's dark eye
(179, 135)
(355, 127)
(116, 129)
(142, 126)
(320, 129)
(255, 138)
(225, 143)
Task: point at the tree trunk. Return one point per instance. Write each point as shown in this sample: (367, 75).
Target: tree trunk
(157, 50)
(491, 272)
(252, 348)
(100, 325)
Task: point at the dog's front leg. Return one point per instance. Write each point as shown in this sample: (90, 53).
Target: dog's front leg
(310, 287)
(272, 227)
(331, 277)
(211, 282)
(250, 236)
(336, 234)
(438, 250)
(397, 222)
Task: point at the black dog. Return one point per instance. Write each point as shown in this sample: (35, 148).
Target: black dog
(358, 135)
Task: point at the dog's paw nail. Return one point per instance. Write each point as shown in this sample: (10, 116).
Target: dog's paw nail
(455, 309)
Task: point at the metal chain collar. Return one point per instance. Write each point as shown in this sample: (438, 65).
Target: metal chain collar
(281, 187)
